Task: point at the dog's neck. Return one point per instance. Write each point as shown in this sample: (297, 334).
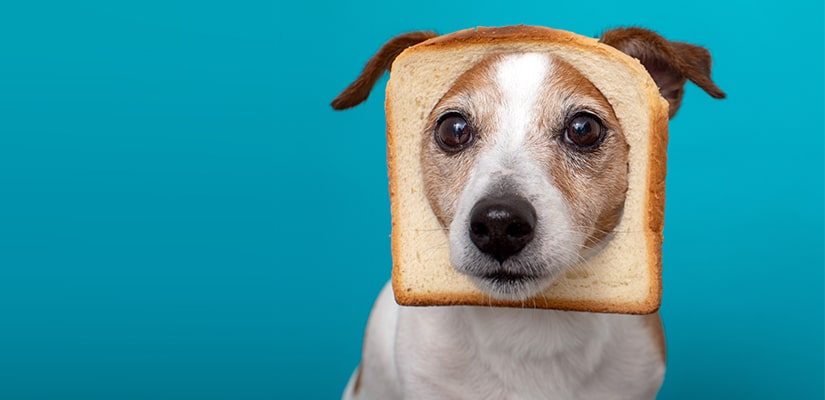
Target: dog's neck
(490, 352)
(520, 333)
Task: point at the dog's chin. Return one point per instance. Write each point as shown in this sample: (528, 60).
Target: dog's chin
(517, 279)
(511, 286)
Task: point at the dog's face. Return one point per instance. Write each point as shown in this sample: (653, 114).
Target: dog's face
(525, 163)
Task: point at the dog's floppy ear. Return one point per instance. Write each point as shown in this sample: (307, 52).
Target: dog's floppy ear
(670, 64)
(359, 90)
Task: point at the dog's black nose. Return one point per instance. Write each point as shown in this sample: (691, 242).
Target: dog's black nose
(502, 226)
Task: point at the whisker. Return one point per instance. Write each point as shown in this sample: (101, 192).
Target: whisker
(430, 229)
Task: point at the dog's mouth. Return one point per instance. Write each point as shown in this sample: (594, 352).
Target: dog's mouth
(508, 278)
(506, 285)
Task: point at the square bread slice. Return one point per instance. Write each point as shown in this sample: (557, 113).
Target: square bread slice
(625, 277)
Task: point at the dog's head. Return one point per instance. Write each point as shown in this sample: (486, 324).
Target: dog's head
(524, 159)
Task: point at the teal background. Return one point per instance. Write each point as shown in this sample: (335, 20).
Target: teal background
(182, 216)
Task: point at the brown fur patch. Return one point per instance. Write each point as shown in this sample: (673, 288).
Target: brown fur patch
(358, 91)
(670, 64)
(356, 387)
(654, 323)
(475, 96)
(593, 182)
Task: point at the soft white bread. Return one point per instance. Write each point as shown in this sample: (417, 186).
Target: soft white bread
(624, 277)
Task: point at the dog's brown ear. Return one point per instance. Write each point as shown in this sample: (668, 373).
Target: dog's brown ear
(359, 90)
(670, 64)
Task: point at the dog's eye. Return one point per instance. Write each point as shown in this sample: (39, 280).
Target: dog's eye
(584, 131)
(453, 133)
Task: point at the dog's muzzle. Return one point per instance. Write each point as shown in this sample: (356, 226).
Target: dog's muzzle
(502, 226)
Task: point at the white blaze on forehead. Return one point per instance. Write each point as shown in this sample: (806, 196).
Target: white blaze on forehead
(519, 77)
(506, 166)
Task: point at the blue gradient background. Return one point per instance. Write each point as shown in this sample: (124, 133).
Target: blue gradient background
(182, 216)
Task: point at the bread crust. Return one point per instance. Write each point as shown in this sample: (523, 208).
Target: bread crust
(654, 199)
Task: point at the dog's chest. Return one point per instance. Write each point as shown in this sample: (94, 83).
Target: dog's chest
(488, 353)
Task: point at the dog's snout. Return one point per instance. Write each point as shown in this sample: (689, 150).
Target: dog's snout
(502, 226)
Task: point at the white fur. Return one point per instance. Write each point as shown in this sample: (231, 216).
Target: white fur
(519, 77)
(465, 352)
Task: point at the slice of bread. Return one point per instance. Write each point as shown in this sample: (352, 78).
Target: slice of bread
(624, 277)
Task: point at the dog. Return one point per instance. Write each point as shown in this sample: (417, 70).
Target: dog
(512, 181)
